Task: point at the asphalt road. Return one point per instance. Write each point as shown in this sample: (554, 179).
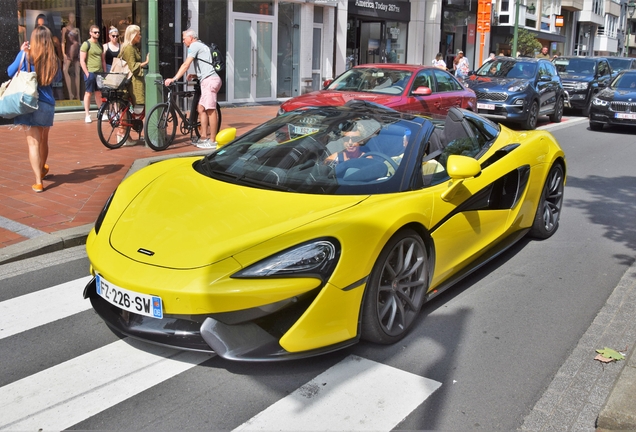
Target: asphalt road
(492, 344)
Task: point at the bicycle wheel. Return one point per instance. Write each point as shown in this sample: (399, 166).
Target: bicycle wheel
(160, 127)
(110, 117)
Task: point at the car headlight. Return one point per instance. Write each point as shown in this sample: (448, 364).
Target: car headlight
(316, 258)
(518, 87)
(599, 102)
(581, 85)
(102, 214)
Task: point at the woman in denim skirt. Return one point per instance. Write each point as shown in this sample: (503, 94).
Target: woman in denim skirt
(40, 54)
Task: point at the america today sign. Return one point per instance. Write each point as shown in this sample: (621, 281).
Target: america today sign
(391, 10)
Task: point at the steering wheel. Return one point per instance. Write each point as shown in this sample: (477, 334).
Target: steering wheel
(382, 156)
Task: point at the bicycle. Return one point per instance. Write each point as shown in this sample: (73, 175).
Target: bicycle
(160, 127)
(116, 117)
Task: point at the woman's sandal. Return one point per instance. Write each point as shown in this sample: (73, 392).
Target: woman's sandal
(38, 187)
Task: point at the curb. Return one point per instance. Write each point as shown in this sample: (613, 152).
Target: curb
(76, 236)
(618, 413)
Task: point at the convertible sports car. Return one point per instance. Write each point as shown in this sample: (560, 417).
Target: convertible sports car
(414, 89)
(270, 248)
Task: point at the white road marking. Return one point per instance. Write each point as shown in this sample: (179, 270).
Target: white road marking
(354, 395)
(64, 395)
(42, 307)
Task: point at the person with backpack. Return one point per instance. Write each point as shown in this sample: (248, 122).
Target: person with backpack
(210, 82)
(91, 61)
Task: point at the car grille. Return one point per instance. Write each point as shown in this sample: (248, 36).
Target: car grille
(497, 97)
(569, 85)
(623, 106)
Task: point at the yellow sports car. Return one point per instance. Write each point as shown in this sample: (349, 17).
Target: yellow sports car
(316, 229)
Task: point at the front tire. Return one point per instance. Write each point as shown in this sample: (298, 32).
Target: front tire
(533, 116)
(546, 220)
(557, 115)
(396, 289)
(595, 126)
(110, 117)
(160, 127)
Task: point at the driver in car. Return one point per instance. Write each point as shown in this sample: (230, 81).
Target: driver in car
(351, 140)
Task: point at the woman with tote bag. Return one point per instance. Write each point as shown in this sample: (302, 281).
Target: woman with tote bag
(40, 53)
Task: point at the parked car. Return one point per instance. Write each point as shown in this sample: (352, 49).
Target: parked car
(518, 90)
(621, 63)
(411, 89)
(270, 248)
(616, 104)
(583, 78)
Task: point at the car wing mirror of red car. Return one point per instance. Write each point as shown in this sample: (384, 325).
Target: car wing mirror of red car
(326, 83)
(422, 91)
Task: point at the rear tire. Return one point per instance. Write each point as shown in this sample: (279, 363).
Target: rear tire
(160, 127)
(546, 220)
(109, 130)
(396, 289)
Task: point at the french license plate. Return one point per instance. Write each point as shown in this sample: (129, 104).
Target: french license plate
(486, 106)
(626, 116)
(142, 304)
(296, 131)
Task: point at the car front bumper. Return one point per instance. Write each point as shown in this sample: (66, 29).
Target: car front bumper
(606, 116)
(502, 111)
(255, 339)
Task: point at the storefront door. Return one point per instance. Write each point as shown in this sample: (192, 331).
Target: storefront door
(253, 53)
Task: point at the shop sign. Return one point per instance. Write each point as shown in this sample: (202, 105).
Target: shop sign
(558, 20)
(392, 9)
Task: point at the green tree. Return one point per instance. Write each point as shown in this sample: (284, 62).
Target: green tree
(527, 43)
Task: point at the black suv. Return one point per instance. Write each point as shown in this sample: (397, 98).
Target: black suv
(518, 90)
(583, 77)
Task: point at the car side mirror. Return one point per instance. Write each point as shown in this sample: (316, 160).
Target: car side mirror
(326, 83)
(459, 168)
(225, 136)
(422, 91)
(545, 78)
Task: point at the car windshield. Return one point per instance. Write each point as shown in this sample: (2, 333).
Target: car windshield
(626, 81)
(373, 80)
(327, 150)
(618, 64)
(507, 68)
(580, 66)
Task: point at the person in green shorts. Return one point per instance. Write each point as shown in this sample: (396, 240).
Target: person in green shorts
(91, 61)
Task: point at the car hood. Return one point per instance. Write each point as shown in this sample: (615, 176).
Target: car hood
(183, 219)
(493, 83)
(623, 95)
(575, 77)
(337, 98)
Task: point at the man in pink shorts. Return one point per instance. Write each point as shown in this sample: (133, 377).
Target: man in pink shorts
(210, 85)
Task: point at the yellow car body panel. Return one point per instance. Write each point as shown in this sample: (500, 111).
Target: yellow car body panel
(331, 318)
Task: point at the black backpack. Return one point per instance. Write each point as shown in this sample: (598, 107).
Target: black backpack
(218, 61)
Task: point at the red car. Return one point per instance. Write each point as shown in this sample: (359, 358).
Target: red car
(407, 88)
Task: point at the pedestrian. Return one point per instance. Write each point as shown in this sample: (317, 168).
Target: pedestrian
(111, 48)
(91, 62)
(210, 84)
(544, 53)
(40, 54)
(131, 54)
(491, 57)
(439, 62)
(463, 68)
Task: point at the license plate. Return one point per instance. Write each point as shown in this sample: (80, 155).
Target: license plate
(626, 116)
(142, 304)
(486, 106)
(296, 131)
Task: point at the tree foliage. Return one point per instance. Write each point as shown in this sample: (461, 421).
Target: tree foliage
(527, 43)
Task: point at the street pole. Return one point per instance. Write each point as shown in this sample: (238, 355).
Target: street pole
(515, 31)
(631, 7)
(153, 95)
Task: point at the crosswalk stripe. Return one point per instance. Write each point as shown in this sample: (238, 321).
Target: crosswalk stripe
(66, 394)
(355, 395)
(42, 307)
